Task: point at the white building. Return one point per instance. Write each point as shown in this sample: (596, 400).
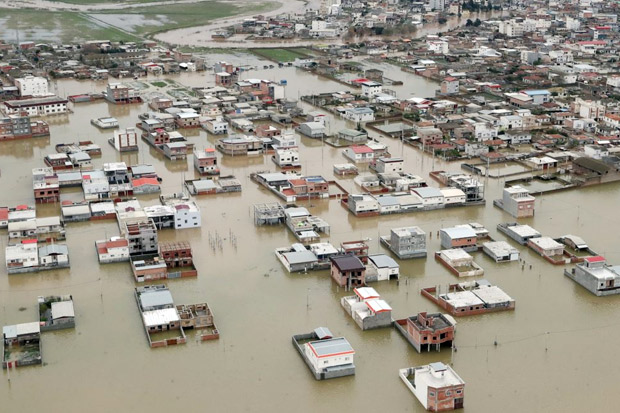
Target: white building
(32, 86)
(125, 140)
(329, 353)
(116, 249)
(431, 197)
(361, 114)
(42, 106)
(186, 215)
(384, 266)
(436, 386)
(371, 89)
(216, 126)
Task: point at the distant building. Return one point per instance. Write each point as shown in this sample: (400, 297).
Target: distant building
(125, 140)
(119, 93)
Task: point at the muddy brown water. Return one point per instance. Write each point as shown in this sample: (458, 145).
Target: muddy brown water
(550, 353)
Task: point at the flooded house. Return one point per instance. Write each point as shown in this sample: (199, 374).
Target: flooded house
(301, 258)
(120, 94)
(145, 185)
(436, 386)
(470, 298)
(178, 258)
(306, 227)
(240, 145)
(363, 205)
(519, 233)
(125, 140)
(115, 249)
(500, 251)
(367, 308)
(286, 158)
(58, 161)
(463, 237)
(142, 237)
(406, 242)
(327, 357)
(216, 126)
(352, 135)
(205, 162)
(148, 268)
(549, 249)
(596, 276)
(28, 256)
(345, 169)
(47, 229)
(56, 312)
(381, 267)
(21, 345)
(517, 201)
(198, 317)
(357, 248)
(459, 262)
(348, 271)
(45, 186)
(159, 316)
(315, 130)
(75, 212)
(428, 331)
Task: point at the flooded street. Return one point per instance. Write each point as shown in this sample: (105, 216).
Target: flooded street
(543, 357)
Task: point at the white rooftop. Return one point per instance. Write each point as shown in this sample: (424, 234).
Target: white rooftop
(160, 317)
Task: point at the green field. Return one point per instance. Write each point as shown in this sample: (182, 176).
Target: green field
(60, 26)
(161, 18)
(279, 55)
(129, 24)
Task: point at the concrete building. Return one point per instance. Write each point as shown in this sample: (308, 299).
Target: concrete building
(459, 262)
(348, 271)
(141, 236)
(406, 242)
(436, 386)
(312, 129)
(125, 140)
(500, 251)
(431, 197)
(595, 275)
(427, 330)
(119, 93)
(367, 309)
(459, 237)
(470, 298)
(517, 201)
(205, 162)
(520, 233)
(56, 312)
(216, 126)
(389, 165)
(32, 86)
(115, 249)
(21, 345)
(43, 106)
(363, 204)
(549, 249)
(326, 356)
(381, 267)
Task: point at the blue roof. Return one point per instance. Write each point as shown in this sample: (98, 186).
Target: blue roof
(536, 92)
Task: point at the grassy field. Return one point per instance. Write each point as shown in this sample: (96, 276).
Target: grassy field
(161, 18)
(279, 55)
(125, 24)
(61, 26)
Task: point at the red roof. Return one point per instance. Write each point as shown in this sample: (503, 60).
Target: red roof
(145, 181)
(360, 80)
(29, 241)
(361, 149)
(596, 258)
(4, 213)
(103, 248)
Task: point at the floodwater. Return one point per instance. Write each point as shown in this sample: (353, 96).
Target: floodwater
(546, 356)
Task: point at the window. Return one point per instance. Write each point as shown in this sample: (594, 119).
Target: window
(448, 393)
(431, 393)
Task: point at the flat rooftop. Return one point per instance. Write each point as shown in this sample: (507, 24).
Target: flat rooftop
(331, 347)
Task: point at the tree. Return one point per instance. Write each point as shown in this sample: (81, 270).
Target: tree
(477, 23)
(469, 23)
